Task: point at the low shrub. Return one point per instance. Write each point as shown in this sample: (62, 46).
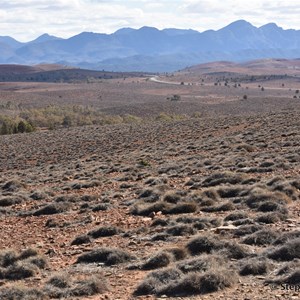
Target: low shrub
(247, 229)
(194, 284)
(9, 201)
(199, 264)
(103, 232)
(181, 230)
(227, 206)
(236, 216)
(261, 237)
(286, 252)
(172, 197)
(270, 218)
(21, 293)
(285, 237)
(155, 280)
(62, 286)
(108, 256)
(51, 209)
(223, 178)
(13, 186)
(92, 286)
(158, 260)
(20, 270)
(147, 209)
(233, 250)
(81, 239)
(203, 244)
(160, 222)
(293, 278)
(254, 267)
(60, 280)
(178, 252)
(182, 208)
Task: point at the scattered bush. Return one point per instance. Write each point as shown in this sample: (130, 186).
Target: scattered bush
(51, 209)
(288, 267)
(247, 229)
(13, 186)
(27, 253)
(222, 178)
(101, 207)
(227, 206)
(160, 222)
(38, 261)
(283, 238)
(62, 286)
(182, 208)
(160, 237)
(9, 201)
(261, 238)
(178, 252)
(20, 270)
(287, 252)
(108, 256)
(258, 197)
(254, 267)
(268, 206)
(231, 191)
(37, 195)
(241, 222)
(8, 258)
(203, 244)
(158, 260)
(236, 216)
(193, 284)
(199, 264)
(61, 280)
(150, 193)
(21, 293)
(270, 218)
(155, 280)
(172, 197)
(294, 278)
(81, 239)
(233, 250)
(104, 232)
(88, 287)
(15, 266)
(146, 210)
(181, 230)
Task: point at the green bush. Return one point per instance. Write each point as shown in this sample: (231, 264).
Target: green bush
(11, 125)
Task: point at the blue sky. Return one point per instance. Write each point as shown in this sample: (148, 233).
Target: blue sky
(27, 19)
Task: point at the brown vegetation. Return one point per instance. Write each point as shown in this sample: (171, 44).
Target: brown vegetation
(179, 205)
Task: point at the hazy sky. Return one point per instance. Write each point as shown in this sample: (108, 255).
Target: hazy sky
(27, 19)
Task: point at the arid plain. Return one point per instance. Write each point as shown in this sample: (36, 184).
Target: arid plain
(189, 188)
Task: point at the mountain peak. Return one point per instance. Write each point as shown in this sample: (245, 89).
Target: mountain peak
(270, 26)
(125, 30)
(44, 38)
(239, 24)
(148, 29)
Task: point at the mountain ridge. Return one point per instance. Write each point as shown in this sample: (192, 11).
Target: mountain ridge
(153, 50)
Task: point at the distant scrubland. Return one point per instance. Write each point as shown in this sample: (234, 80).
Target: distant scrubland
(54, 117)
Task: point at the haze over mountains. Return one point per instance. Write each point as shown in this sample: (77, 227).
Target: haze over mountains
(153, 50)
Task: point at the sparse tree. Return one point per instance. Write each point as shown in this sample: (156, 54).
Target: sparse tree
(175, 98)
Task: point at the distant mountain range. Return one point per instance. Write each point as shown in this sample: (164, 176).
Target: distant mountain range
(153, 50)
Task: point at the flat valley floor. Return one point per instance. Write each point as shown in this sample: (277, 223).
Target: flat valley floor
(194, 199)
